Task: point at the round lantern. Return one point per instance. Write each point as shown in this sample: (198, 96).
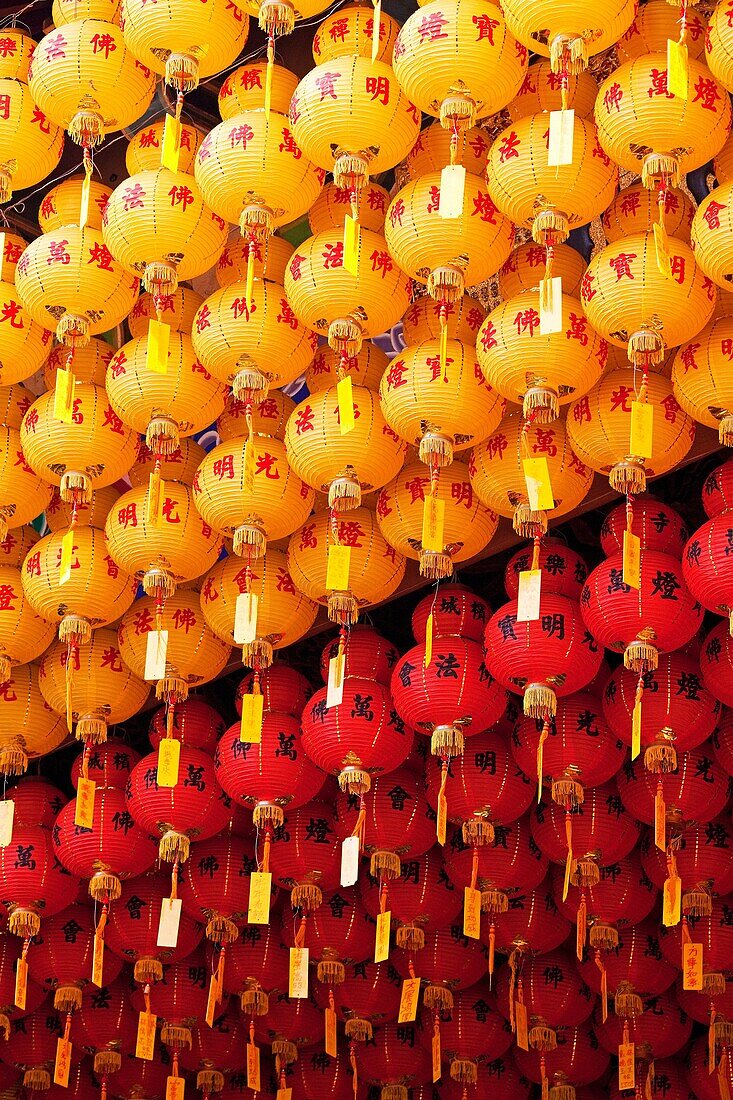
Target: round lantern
(23, 495)
(283, 688)
(33, 1044)
(716, 656)
(425, 319)
(34, 883)
(553, 992)
(196, 808)
(704, 562)
(158, 226)
(31, 144)
(421, 897)
(270, 258)
(89, 364)
(180, 464)
(269, 416)
(577, 1060)
(600, 823)
(106, 1026)
(137, 1076)
(563, 570)
(217, 1050)
(244, 88)
(213, 889)
(657, 525)
(195, 723)
(24, 343)
(28, 727)
(334, 203)
(700, 853)
(636, 960)
(60, 205)
(11, 951)
(448, 962)
(256, 967)
(62, 961)
(340, 934)
(19, 50)
(709, 926)
(144, 147)
(37, 802)
(289, 1026)
(709, 227)
(545, 89)
(455, 610)
(472, 1033)
(526, 269)
(719, 46)
(568, 32)
(397, 1059)
(59, 514)
(696, 790)
(15, 546)
(109, 765)
(609, 898)
(350, 30)
(662, 1027)
(656, 22)
(23, 634)
(636, 209)
(701, 381)
(179, 1001)
(533, 918)
(305, 857)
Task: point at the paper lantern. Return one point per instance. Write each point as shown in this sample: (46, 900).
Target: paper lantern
(533, 918)
(16, 544)
(563, 570)
(30, 143)
(212, 889)
(62, 204)
(455, 610)
(166, 38)
(17, 54)
(28, 727)
(244, 89)
(600, 823)
(195, 723)
(157, 225)
(92, 514)
(351, 31)
(568, 32)
(34, 1040)
(421, 896)
(647, 130)
(37, 801)
(23, 634)
(654, 23)
(637, 959)
(71, 277)
(89, 364)
(179, 1000)
(284, 614)
(663, 1027)
(375, 568)
(446, 253)
(34, 883)
(144, 147)
(317, 1074)
(340, 934)
(441, 411)
(368, 996)
(501, 1075)
(109, 765)
(448, 961)
(707, 241)
(84, 79)
(365, 368)
(270, 259)
(252, 346)
(553, 991)
(334, 203)
(24, 344)
(269, 416)
(696, 790)
(15, 400)
(23, 495)
(305, 856)
(704, 565)
(62, 961)
(526, 268)
(422, 321)
(283, 688)
(180, 464)
(136, 1076)
(621, 896)
(216, 1051)
(497, 474)
(106, 1027)
(578, 1060)
(544, 89)
(716, 654)
(700, 379)
(523, 365)
(711, 929)
(290, 1026)
(636, 209)
(570, 195)
(657, 525)
(700, 855)
(472, 1033)
(256, 966)
(177, 310)
(10, 951)
(599, 429)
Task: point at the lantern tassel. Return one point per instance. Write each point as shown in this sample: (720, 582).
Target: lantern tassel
(358, 829)
(604, 986)
(5, 1026)
(711, 1038)
(581, 927)
(354, 1070)
(540, 754)
(492, 952)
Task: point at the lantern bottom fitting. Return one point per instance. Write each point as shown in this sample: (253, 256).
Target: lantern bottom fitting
(446, 284)
(72, 331)
(641, 655)
(331, 972)
(385, 865)
(568, 54)
(13, 760)
(257, 653)
(75, 488)
(5, 1026)
(438, 998)
(345, 336)
(410, 938)
(660, 170)
(697, 903)
(285, 1050)
(542, 403)
(661, 757)
(172, 689)
(540, 701)
(342, 608)
(627, 1003)
(435, 449)
(447, 741)
(87, 125)
(586, 872)
(562, 1090)
(306, 896)
(478, 832)
(160, 278)
(464, 1070)
(354, 779)
(182, 73)
(210, 1080)
(351, 170)
(646, 347)
(603, 936)
(344, 492)
(221, 930)
(394, 1092)
(725, 431)
(24, 923)
(527, 523)
(567, 792)
(176, 1036)
(158, 582)
(276, 18)
(457, 110)
(628, 476)
(107, 1062)
(359, 1029)
(713, 983)
(434, 565)
(254, 1001)
(37, 1079)
(105, 887)
(723, 1032)
(174, 847)
(249, 541)
(148, 971)
(6, 182)
(74, 630)
(257, 221)
(161, 436)
(250, 384)
(549, 225)
(91, 729)
(541, 1037)
(494, 901)
(66, 998)
(268, 813)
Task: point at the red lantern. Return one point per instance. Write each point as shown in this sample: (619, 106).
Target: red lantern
(662, 1027)
(290, 1026)
(132, 927)
(637, 960)
(306, 856)
(716, 663)
(62, 957)
(423, 895)
(563, 570)
(455, 610)
(397, 1057)
(532, 918)
(32, 1047)
(368, 995)
(472, 1034)
(551, 989)
(615, 896)
(600, 824)
(32, 881)
(368, 655)
(666, 1076)
(705, 566)
(717, 490)
(106, 1026)
(697, 789)
(656, 525)
(216, 1050)
(702, 855)
(722, 742)
(448, 962)
(316, 1075)
(195, 724)
(138, 1078)
(10, 951)
(340, 934)
(578, 1060)
(178, 1000)
(107, 765)
(713, 929)
(37, 801)
(283, 689)
(698, 1004)
(257, 966)
(500, 1079)
(215, 885)
(512, 860)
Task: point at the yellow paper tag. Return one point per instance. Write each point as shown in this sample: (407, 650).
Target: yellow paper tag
(433, 524)
(677, 68)
(520, 1016)
(63, 396)
(250, 726)
(154, 501)
(331, 1037)
(442, 823)
(245, 618)
(253, 1067)
(568, 873)
(170, 150)
(350, 861)
(145, 1044)
(2, 259)
(156, 353)
(298, 976)
(7, 813)
(352, 245)
(169, 756)
(472, 913)
(345, 396)
(63, 1063)
(626, 1066)
(632, 560)
(175, 1088)
(436, 1053)
(377, 29)
(660, 824)
(21, 983)
(452, 191)
(692, 966)
(672, 901)
(156, 651)
(562, 133)
(661, 248)
(212, 1000)
(528, 600)
(338, 568)
(249, 466)
(284, 1094)
(170, 918)
(381, 944)
(642, 429)
(67, 550)
(539, 487)
(86, 189)
(408, 1000)
(98, 961)
(260, 888)
(428, 641)
(636, 730)
(551, 306)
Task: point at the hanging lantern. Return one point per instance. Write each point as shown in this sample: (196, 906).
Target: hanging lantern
(216, 1051)
(62, 961)
(89, 363)
(441, 410)
(546, 89)
(23, 634)
(317, 1074)
(212, 889)
(305, 854)
(340, 934)
(269, 416)
(610, 898)
(144, 148)
(636, 209)
(577, 1061)
(84, 79)
(709, 929)
(708, 243)
(700, 378)
(568, 32)
(397, 1059)
(29, 728)
(553, 992)
(11, 951)
(563, 570)
(526, 269)
(291, 1025)
(697, 788)
(448, 962)
(664, 1027)
(657, 21)
(365, 368)
(109, 765)
(533, 918)
(422, 322)
(646, 129)
(455, 610)
(368, 996)
(106, 1027)
(137, 1076)
(180, 464)
(715, 661)
(472, 1033)
(244, 89)
(657, 525)
(16, 545)
(23, 495)
(179, 1001)
(334, 203)
(195, 723)
(32, 1047)
(24, 344)
(30, 143)
(637, 960)
(283, 689)
(177, 310)
(350, 30)
(60, 206)
(59, 513)
(270, 260)
(600, 824)
(421, 898)
(699, 852)
(256, 967)
(34, 883)
(18, 54)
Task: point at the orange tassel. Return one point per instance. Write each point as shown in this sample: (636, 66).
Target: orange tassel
(358, 829)
(265, 865)
(604, 987)
(492, 949)
(354, 1070)
(581, 927)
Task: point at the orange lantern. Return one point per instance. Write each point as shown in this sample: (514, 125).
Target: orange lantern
(269, 416)
(23, 495)
(177, 310)
(350, 30)
(422, 321)
(29, 728)
(636, 209)
(91, 513)
(30, 143)
(23, 634)
(178, 465)
(15, 402)
(88, 364)
(15, 546)
(568, 31)
(544, 89)
(432, 147)
(24, 344)
(709, 228)
(723, 163)
(526, 269)
(468, 525)
(334, 203)
(244, 89)
(365, 368)
(61, 205)
(270, 260)
(284, 614)
(16, 57)
(655, 23)
(702, 380)
(374, 572)
(145, 147)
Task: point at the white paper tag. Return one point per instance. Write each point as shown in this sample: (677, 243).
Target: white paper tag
(350, 861)
(170, 918)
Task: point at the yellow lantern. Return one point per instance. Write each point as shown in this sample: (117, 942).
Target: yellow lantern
(544, 89)
(252, 344)
(723, 165)
(23, 495)
(158, 226)
(17, 544)
(270, 257)
(61, 205)
(702, 379)
(24, 344)
(183, 400)
(539, 371)
(550, 200)
(92, 450)
(269, 416)
(655, 23)
(526, 269)
(719, 46)
(334, 203)
(68, 11)
(179, 464)
(105, 691)
(194, 654)
(439, 412)
(345, 466)
(637, 208)
(350, 30)
(623, 287)
(92, 513)
(347, 308)
(30, 143)
(647, 130)
(29, 728)
(16, 54)
(15, 402)
(568, 31)
(13, 248)
(432, 150)
(599, 427)
(71, 277)
(422, 321)
(244, 89)
(284, 614)
(468, 525)
(88, 363)
(23, 634)
(278, 17)
(710, 225)
(144, 150)
(365, 368)
(84, 79)
(183, 40)
(375, 569)
(497, 474)
(458, 62)
(177, 310)
(263, 501)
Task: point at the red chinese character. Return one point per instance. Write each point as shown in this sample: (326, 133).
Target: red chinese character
(497, 445)
(383, 509)
(431, 27)
(286, 315)
(484, 207)
(339, 29)
(111, 659)
(658, 85)
(296, 263)
(7, 693)
(487, 336)
(12, 311)
(287, 145)
(378, 88)
(707, 94)
(203, 318)
(55, 46)
(250, 78)
(629, 205)
(350, 533)
(100, 255)
(4, 106)
(308, 539)
(266, 464)
(326, 85)
(240, 307)
(284, 582)
(581, 411)
(33, 564)
(333, 256)
(478, 146)
(183, 619)
(587, 291)
(103, 43)
(671, 408)
(432, 362)
(304, 420)
(578, 329)
(509, 145)
(58, 253)
(433, 199)
(396, 374)
(8, 47)
(677, 267)
(381, 261)
(621, 398)
(474, 318)
(726, 347)
(181, 196)
(7, 594)
(687, 355)
(240, 135)
(143, 621)
(75, 564)
(127, 516)
(170, 511)
(612, 98)
(376, 200)
(148, 139)
(209, 593)
(112, 567)
(545, 443)
(462, 493)
(224, 468)
(113, 422)
(621, 264)
(485, 26)
(416, 487)
(527, 321)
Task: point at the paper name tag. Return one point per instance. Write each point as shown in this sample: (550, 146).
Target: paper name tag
(169, 756)
(350, 861)
(551, 306)
(175, 1088)
(98, 961)
(433, 524)
(245, 618)
(408, 1000)
(331, 1037)
(170, 151)
(636, 730)
(520, 1016)
(626, 1066)
(21, 983)
(63, 1063)
(539, 488)
(428, 656)
(642, 429)
(7, 813)
(452, 191)
(338, 568)
(672, 901)
(154, 500)
(253, 1067)
(442, 822)
(63, 396)
(381, 943)
(562, 133)
(661, 248)
(677, 68)
(335, 686)
(345, 398)
(158, 346)
(528, 597)
(692, 966)
(67, 550)
(156, 651)
(86, 188)
(436, 1054)
(250, 727)
(260, 889)
(212, 1000)
(632, 560)
(170, 918)
(284, 1094)
(298, 976)
(472, 913)
(352, 245)
(145, 1043)
(660, 822)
